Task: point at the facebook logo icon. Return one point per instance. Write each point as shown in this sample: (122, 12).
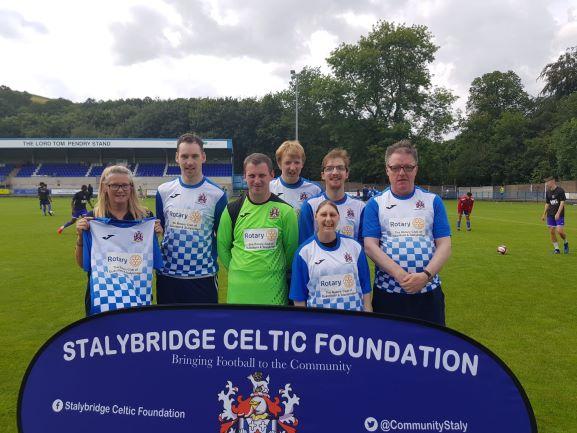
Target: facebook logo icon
(57, 405)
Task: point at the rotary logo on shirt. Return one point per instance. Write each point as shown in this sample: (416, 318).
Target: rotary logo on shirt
(347, 230)
(260, 239)
(334, 286)
(406, 227)
(124, 263)
(185, 219)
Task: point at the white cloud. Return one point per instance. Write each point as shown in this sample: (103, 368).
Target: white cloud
(185, 48)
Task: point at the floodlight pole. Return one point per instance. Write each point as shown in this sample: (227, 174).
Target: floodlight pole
(296, 77)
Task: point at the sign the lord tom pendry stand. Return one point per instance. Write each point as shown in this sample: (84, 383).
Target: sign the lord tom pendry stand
(240, 369)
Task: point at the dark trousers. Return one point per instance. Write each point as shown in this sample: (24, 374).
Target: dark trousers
(171, 290)
(428, 306)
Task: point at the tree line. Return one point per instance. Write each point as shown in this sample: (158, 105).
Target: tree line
(378, 91)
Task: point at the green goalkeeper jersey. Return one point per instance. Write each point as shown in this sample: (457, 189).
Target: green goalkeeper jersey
(259, 252)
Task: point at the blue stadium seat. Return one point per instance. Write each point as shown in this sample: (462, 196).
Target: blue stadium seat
(150, 169)
(63, 170)
(26, 170)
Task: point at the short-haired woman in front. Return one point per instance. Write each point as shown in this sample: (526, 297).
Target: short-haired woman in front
(330, 270)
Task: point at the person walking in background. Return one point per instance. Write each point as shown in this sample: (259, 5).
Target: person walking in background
(79, 202)
(465, 206)
(45, 199)
(555, 213)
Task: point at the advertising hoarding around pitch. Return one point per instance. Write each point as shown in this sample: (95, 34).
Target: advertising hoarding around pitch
(262, 369)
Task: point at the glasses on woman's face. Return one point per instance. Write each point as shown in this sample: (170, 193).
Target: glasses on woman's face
(119, 186)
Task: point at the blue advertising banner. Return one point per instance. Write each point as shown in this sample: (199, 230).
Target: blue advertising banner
(241, 369)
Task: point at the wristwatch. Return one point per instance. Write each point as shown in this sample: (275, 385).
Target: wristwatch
(429, 275)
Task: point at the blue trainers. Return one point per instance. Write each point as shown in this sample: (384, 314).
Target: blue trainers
(566, 248)
(556, 251)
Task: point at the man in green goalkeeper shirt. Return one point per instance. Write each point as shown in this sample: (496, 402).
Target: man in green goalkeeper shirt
(257, 238)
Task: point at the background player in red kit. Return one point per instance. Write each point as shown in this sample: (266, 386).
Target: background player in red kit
(465, 206)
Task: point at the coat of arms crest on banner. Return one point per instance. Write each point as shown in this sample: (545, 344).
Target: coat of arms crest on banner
(259, 413)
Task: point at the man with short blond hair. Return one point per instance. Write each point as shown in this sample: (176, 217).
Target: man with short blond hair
(290, 186)
(257, 239)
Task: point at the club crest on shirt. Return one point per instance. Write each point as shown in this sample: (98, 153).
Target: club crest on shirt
(350, 213)
(303, 196)
(348, 258)
(274, 213)
(258, 413)
(138, 237)
(201, 198)
(419, 204)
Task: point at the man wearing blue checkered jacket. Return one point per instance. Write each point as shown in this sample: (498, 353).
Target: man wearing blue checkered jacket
(189, 209)
(407, 234)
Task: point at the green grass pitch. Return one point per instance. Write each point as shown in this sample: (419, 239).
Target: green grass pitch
(522, 306)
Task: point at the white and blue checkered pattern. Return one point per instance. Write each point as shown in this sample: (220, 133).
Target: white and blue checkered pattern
(116, 291)
(412, 254)
(188, 253)
(111, 289)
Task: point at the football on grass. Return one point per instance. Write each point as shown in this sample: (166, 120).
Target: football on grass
(502, 249)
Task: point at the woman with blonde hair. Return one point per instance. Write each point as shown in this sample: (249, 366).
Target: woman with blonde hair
(117, 202)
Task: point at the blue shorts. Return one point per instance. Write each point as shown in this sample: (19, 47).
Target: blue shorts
(429, 306)
(77, 213)
(552, 222)
(171, 290)
(466, 212)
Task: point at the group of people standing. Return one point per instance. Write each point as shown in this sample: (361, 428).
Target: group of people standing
(285, 238)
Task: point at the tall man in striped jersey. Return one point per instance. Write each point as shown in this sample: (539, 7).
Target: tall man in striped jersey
(290, 186)
(407, 234)
(189, 209)
(335, 172)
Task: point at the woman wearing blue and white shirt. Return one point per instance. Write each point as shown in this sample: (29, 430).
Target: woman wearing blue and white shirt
(330, 270)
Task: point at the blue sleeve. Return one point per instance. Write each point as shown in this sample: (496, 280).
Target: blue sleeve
(360, 233)
(160, 209)
(299, 279)
(371, 223)
(441, 227)
(364, 273)
(156, 253)
(86, 249)
(306, 222)
(219, 209)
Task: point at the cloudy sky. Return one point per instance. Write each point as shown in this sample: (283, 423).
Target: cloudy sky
(110, 49)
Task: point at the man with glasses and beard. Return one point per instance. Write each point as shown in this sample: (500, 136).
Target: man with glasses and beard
(407, 234)
(335, 172)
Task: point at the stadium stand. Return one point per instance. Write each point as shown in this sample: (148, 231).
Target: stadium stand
(96, 170)
(6, 169)
(63, 170)
(150, 169)
(26, 170)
